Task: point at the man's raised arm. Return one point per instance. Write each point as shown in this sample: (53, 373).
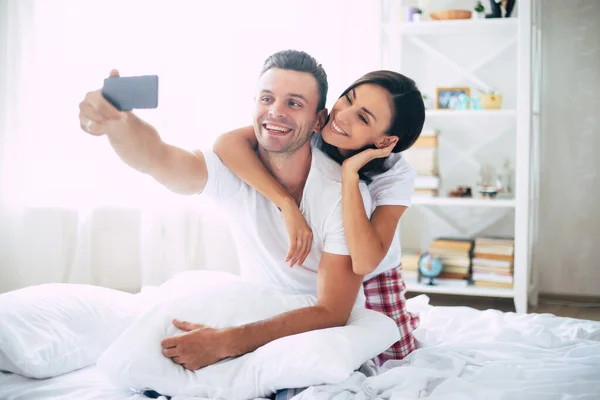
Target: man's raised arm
(139, 145)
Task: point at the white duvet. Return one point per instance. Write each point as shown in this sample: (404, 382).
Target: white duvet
(468, 354)
(463, 354)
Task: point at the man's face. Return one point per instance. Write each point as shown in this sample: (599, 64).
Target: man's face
(286, 110)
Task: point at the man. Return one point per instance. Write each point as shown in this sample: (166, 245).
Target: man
(289, 106)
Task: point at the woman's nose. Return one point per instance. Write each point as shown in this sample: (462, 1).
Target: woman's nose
(342, 116)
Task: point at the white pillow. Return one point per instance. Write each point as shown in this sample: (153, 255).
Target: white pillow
(218, 300)
(51, 329)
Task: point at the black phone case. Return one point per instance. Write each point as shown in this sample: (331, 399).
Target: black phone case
(132, 92)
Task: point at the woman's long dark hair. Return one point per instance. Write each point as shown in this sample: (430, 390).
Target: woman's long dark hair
(408, 117)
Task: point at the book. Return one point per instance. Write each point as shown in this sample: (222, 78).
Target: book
(486, 262)
(506, 251)
(453, 275)
(489, 256)
(492, 277)
(495, 270)
(502, 285)
(426, 142)
(460, 244)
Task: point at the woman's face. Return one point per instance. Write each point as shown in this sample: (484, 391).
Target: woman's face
(359, 118)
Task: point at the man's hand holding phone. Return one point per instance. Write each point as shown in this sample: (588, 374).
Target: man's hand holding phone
(95, 112)
(100, 108)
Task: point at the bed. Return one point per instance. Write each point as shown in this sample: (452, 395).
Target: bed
(462, 354)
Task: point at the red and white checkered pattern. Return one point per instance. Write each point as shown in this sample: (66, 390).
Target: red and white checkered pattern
(385, 293)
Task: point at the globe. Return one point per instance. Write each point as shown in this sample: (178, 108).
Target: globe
(430, 266)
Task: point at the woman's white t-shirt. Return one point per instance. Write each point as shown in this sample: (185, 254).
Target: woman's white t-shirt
(394, 187)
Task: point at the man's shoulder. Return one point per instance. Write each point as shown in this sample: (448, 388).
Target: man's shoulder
(325, 168)
(221, 184)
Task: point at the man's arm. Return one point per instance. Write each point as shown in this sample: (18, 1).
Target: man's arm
(337, 291)
(139, 145)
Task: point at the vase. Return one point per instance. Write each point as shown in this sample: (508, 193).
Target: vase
(410, 12)
(478, 15)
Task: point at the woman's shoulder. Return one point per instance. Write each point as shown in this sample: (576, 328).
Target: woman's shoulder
(396, 167)
(395, 186)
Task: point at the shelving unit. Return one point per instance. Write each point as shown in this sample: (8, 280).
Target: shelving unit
(465, 202)
(454, 27)
(481, 54)
(466, 291)
(471, 114)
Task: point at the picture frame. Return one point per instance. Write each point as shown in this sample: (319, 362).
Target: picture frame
(447, 98)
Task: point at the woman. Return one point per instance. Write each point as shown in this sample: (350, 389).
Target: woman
(379, 114)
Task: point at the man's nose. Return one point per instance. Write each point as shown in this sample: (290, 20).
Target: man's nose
(276, 110)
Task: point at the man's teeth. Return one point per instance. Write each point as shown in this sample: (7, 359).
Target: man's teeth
(338, 129)
(276, 128)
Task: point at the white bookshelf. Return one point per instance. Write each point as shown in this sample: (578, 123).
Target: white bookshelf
(499, 53)
(455, 27)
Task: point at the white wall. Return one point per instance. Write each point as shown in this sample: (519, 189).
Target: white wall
(568, 252)
(59, 232)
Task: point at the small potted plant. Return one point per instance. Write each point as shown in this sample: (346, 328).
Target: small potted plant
(417, 15)
(479, 11)
(426, 101)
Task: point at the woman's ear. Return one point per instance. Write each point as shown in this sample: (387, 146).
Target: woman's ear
(321, 120)
(385, 141)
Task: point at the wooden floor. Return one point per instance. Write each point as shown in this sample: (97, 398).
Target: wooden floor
(560, 308)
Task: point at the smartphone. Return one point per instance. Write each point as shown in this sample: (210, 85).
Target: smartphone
(131, 92)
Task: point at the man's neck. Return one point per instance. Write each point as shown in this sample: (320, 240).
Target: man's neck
(290, 169)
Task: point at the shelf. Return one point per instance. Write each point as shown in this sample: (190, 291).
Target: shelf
(497, 26)
(468, 202)
(458, 290)
(470, 113)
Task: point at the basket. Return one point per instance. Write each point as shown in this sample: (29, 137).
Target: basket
(490, 101)
(450, 14)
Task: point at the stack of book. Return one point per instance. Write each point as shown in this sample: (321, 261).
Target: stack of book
(410, 265)
(423, 157)
(455, 255)
(493, 262)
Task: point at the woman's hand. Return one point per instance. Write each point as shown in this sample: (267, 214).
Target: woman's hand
(353, 164)
(299, 233)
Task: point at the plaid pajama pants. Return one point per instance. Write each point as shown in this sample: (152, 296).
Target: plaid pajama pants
(385, 294)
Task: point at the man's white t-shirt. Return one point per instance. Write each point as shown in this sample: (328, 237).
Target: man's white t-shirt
(259, 230)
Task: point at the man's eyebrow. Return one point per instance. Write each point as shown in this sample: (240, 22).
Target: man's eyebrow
(298, 96)
(363, 108)
(290, 94)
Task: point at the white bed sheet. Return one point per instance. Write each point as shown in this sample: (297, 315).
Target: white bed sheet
(84, 384)
(463, 354)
